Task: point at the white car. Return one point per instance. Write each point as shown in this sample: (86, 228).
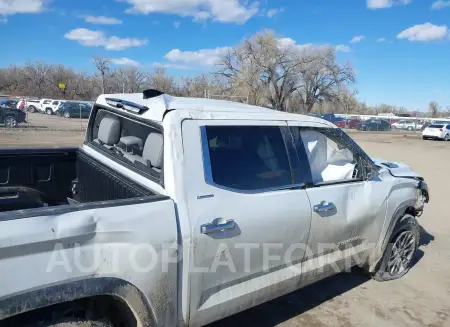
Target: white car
(44, 105)
(409, 125)
(53, 107)
(33, 105)
(179, 212)
(437, 131)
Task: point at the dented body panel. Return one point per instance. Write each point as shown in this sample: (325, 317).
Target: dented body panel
(152, 252)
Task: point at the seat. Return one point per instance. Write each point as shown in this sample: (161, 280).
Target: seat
(152, 154)
(109, 132)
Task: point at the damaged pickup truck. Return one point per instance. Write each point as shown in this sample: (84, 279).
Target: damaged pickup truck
(182, 211)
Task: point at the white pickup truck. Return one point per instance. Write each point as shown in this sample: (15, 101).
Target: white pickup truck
(183, 211)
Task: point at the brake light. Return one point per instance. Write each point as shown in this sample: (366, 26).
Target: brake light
(441, 129)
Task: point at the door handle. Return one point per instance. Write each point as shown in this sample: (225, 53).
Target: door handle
(324, 206)
(217, 225)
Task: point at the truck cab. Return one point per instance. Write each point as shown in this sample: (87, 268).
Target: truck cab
(183, 211)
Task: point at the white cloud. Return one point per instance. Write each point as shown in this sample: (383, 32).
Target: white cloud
(12, 7)
(381, 39)
(378, 4)
(103, 20)
(91, 38)
(206, 57)
(124, 62)
(176, 24)
(357, 39)
(440, 4)
(309, 48)
(272, 12)
(170, 65)
(424, 32)
(209, 57)
(343, 48)
(228, 11)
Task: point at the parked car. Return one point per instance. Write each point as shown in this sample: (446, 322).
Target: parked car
(33, 105)
(73, 109)
(175, 210)
(9, 103)
(341, 123)
(374, 124)
(45, 105)
(437, 131)
(52, 107)
(409, 125)
(11, 117)
(353, 123)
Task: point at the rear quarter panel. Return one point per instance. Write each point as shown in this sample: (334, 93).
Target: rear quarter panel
(129, 242)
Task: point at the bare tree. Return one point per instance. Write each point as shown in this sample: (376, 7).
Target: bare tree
(161, 81)
(433, 108)
(265, 67)
(323, 79)
(103, 66)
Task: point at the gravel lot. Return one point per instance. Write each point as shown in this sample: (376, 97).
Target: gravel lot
(421, 298)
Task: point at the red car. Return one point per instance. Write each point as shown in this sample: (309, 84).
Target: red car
(340, 123)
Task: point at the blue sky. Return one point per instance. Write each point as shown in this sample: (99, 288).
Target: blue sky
(400, 48)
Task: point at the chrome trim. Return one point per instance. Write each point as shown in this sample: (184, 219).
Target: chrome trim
(324, 207)
(218, 225)
(209, 179)
(206, 196)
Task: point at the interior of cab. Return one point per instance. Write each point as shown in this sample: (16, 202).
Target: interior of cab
(329, 159)
(129, 141)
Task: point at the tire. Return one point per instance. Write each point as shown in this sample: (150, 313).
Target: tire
(446, 137)
(410, 128)
(424, 138)
(66, 114)
(32, 109)
(49, 111)
(10, 122)
(73, 323)
(405, 237)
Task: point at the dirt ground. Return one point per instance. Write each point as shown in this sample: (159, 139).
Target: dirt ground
(421, 298)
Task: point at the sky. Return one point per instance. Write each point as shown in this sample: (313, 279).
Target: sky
(400, 49)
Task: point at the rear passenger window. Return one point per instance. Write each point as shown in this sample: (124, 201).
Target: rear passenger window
(247, 158)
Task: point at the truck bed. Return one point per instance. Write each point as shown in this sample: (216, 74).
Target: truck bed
(34, 178)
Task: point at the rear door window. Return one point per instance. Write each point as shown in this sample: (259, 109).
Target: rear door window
(436, 126)
(247, 158)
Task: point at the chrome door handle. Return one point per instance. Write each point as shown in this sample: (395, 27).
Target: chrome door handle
(324, 206)
(218, 225)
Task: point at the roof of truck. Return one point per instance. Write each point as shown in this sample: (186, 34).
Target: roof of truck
(159, 105)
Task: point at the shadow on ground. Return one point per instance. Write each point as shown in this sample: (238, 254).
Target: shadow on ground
(291, 305)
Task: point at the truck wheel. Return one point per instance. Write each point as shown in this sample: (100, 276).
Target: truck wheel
(49, 111)
(409, 128)
(73, 323)
(400, 252)
(10, 122)
(67, 114)
(31, 108)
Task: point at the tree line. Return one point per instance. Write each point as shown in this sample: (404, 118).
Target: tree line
(262, 70)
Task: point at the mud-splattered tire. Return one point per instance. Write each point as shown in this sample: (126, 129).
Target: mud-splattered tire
(401, 250)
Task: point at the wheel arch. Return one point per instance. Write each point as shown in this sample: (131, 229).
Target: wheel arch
(127, 296)
(398, 217)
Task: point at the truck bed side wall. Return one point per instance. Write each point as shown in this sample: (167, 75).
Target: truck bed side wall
(48, 171)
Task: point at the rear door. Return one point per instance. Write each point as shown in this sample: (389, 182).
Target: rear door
(249, 213)
(347, 208)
